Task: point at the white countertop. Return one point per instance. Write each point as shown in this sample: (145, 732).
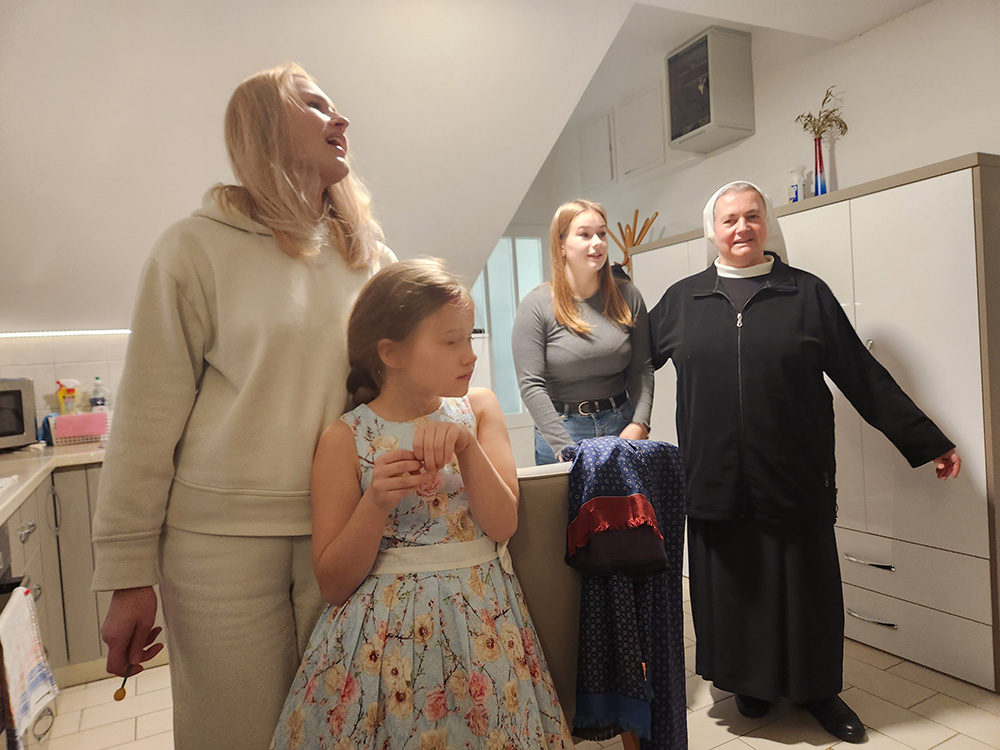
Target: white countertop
(33, 464)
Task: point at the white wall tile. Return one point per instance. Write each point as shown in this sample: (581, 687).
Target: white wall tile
(33, 350)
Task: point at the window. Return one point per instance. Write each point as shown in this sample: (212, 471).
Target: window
(516, 266)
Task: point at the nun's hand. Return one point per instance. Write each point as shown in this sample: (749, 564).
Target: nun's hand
(948, 465)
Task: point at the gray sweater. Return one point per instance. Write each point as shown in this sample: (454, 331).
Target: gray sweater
(555, 364)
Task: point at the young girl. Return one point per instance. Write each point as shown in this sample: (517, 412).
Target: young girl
(427, 642)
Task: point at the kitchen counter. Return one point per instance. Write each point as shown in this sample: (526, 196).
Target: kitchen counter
(34, 464)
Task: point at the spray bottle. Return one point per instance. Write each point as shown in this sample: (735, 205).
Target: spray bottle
(67, 395)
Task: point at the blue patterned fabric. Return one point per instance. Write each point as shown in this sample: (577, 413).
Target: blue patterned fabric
(627, 621)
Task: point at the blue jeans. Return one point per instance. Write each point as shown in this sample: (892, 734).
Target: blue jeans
(583, 426)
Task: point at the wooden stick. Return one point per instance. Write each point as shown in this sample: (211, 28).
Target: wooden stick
(647, 228)
(617, 241)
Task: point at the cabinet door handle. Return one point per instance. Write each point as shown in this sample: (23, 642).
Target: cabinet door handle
(880, 623)
(869, 563)
(25, 531)
(869, 344)
(36, 592)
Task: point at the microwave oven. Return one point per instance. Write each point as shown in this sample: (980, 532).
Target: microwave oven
(17, 413)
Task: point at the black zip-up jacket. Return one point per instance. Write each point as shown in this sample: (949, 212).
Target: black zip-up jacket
(754, 415)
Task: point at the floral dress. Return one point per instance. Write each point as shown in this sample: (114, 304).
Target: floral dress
(424, 661)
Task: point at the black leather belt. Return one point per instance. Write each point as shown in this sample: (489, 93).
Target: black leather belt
(591, 407)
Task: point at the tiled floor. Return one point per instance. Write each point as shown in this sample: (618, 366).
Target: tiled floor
(904, 706)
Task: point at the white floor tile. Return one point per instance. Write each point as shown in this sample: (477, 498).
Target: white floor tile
(131, 707)
(869, 655)
(883, 684)
(689, 658)
(717, 724)
(689, 627)
(797, 730)
(895, 722)
(154, 723)
(99, 738)
(156, 742)
(942, 683)
(878, 741)
(149, 680)
(961, 742)
(702, 694)
(962, 717)
(80, 699)
(66, 722)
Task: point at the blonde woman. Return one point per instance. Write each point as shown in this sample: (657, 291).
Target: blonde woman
(581, 341)
(236, 362)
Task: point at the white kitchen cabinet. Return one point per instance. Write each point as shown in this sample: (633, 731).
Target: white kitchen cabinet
(85, 610)
(35, 557)
(652, 274)
(916, 285)
(915, 262)
(819, 241)
(77, 564)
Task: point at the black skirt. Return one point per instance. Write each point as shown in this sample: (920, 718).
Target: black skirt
(768, 609)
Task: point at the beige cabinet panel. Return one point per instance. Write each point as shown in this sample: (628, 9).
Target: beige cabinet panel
(819, 241)
(939, 640)
(77, 565)
(916, 293)
(652, 273)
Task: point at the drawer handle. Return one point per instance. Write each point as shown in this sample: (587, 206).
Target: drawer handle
(869, 563)
(889, 625)
(27, 530)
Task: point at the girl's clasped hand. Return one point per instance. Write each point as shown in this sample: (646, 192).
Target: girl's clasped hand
(398, 473)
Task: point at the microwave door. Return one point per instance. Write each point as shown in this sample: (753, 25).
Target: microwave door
(11, 414)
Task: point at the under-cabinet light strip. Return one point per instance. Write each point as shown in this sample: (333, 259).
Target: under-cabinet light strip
(33, 334)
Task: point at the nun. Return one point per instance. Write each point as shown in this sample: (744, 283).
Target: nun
(751, 338)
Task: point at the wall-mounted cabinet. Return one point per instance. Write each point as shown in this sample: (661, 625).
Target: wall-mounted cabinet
(597, 155)
(639, 142)
(710, 91)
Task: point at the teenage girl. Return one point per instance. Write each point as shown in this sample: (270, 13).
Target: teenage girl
(581, 341)
(427, 642)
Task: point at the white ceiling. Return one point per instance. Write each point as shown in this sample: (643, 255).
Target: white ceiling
(836, 20)
(111, 115)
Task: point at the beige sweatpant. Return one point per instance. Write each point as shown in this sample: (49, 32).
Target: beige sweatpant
(239, 612)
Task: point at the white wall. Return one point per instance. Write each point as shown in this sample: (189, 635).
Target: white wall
(919, 89)
(111, 123)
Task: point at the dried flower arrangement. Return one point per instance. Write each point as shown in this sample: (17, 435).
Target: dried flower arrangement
(827, 119)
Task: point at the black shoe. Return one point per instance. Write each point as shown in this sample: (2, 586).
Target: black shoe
(752, 708)
(837, 718)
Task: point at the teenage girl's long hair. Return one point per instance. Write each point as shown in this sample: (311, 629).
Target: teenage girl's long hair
(564, 305)
(274, 185)
(390, 306)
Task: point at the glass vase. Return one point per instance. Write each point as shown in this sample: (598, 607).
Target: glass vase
(819, 176)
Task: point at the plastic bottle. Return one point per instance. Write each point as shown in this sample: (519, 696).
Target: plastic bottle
(100, 396)
(796, 184)
(67, 395)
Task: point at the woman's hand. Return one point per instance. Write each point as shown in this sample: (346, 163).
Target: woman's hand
(948, 466)
(634, 431)
(128, 629)
(395, 475)
(436, 443)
